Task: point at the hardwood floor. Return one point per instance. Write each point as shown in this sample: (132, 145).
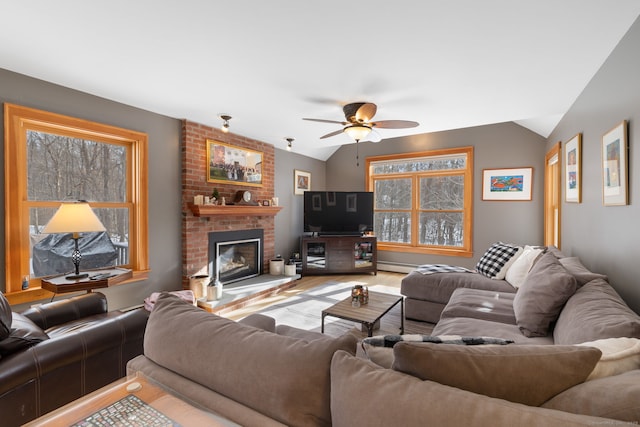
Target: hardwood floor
(308, 282)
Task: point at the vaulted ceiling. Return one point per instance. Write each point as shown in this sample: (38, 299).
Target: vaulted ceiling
(445, 64)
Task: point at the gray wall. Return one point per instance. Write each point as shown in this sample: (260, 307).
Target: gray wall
(502, 145)
(606, 238)
(164, 173)
(288, 222)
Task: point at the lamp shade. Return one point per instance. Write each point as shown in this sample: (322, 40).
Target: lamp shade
(75, 217)
(357, 132)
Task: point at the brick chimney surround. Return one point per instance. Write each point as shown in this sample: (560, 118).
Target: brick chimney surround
(195, 229)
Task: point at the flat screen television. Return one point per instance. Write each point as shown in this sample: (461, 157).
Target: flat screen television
(338, 212)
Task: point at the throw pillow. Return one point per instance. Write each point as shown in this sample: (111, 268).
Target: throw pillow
(364, 394)
(24, 334)
(542, 295)
(528, 374)
(522, 265)
(618, 355)
(379, 349)
(495, 262)
(579, 271)
(282, 377)
(5, 317)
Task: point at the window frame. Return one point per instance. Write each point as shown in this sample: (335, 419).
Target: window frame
(17, 121)
(466, 250)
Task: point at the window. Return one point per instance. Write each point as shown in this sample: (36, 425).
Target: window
(423, 201)
(52, 158)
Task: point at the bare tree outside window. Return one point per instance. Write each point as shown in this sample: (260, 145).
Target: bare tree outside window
(423, 201)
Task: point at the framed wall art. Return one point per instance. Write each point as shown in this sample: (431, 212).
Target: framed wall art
(301, 181)
(572, 168)
(228, 164)
(614, 166)
(507, 184)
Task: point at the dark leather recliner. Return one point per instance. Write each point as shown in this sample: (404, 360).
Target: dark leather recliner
(58, 352)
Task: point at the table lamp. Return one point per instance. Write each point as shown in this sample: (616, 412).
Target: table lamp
(76, 218)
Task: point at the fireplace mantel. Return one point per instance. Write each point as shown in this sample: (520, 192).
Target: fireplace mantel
(240, 210)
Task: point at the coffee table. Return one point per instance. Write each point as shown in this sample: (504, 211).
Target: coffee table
(367, 314)
(153, 403)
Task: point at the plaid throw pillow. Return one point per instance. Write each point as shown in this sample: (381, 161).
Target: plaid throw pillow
(497, 259)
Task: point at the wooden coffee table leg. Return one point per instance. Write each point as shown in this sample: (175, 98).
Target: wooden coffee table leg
(370, 327)
(402, 317)
(322, 325)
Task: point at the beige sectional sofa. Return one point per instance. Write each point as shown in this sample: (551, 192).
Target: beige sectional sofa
(255, 373)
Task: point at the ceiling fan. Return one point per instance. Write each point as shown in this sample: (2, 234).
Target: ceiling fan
(359, 124)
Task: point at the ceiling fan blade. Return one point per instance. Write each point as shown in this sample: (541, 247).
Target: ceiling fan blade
(366, 112)
(395, 124)
(334, 133)
(325, 121)
(373, 136)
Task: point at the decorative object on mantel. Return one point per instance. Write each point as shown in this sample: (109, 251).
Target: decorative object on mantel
(614, 166)
(229, 164)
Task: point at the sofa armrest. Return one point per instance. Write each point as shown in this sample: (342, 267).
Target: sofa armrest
(82, 359)
(58, 312)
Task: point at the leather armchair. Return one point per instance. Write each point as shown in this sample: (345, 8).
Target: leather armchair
(60, 351)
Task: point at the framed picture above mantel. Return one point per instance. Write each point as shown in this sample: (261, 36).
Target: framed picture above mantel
(229, 164)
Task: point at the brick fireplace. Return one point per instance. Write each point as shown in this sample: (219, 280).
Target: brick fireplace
(195, 230)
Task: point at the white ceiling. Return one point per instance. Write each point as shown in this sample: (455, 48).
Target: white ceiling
(445, 64)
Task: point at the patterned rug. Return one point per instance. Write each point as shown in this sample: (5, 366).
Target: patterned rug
(304, 311)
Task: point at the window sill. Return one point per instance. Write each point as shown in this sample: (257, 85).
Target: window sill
(424, 250)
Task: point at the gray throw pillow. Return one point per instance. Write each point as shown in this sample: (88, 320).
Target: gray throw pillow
(528, 374)
(542, 295)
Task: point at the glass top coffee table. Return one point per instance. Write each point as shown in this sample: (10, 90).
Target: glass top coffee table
(367, 314)
(134, 401)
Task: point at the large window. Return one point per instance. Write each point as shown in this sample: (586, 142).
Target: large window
(51, 158)
(423, 201)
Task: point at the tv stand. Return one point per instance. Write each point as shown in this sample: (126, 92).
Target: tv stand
(339, 255)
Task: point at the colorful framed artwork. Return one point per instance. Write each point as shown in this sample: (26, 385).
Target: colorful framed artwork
(614, 166)
(572, 168)
(301, 181)
(228, 164)
(507, 184)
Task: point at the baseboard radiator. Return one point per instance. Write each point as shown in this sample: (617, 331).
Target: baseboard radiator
(396, 267)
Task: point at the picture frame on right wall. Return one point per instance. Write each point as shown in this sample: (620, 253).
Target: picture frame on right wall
(572, 168)
(615, 166)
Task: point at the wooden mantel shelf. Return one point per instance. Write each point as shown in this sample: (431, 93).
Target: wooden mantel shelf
(241, 210)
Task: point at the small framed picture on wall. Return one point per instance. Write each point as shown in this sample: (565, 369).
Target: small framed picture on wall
(301, 181)
(572, 168)
(614, 166)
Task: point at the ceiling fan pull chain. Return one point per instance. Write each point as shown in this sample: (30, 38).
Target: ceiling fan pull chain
(357, 155)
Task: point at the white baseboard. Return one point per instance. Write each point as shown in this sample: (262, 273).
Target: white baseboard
(396, 267)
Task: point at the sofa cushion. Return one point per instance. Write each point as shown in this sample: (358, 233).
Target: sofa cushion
(527, 374)
(379, 349)
(613, 397)
(542, 295)
(595, 312)
(282, 377)
(24, 333)
(582, 274)
(481, 304)
(618, 355)
(5, 317)
(495, 262)
(522, 265)
(259, 321)
(364, 394)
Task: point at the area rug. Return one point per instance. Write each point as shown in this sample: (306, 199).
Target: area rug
(304, 311)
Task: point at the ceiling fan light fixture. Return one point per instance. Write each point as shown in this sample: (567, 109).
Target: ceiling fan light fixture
(357, 132)
(225, 122)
